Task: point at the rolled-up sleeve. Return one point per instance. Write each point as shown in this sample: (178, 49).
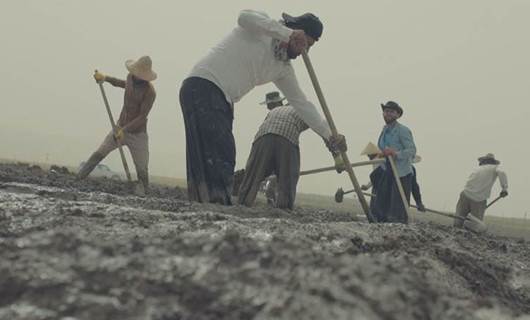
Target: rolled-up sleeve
(259, 23)
(409, 147)
(503, 179)
(288, 85)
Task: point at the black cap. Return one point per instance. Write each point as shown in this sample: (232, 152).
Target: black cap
(307, 22)
(392, 105)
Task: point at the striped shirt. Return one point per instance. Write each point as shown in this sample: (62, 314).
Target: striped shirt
(282, 121)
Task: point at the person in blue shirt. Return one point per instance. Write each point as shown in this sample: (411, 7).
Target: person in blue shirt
(395, 141)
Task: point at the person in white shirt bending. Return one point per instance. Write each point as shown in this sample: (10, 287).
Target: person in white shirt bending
(256, 52)
(478, 189)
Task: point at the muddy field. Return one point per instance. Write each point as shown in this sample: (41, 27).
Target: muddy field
(89, 250)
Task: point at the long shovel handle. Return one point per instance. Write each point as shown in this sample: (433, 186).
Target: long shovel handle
(334, 132)
(399, 186)
(331, 168)
(493, 201)
(449, 215)
(113, 124)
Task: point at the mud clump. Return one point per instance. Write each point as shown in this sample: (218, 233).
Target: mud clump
(74, 249)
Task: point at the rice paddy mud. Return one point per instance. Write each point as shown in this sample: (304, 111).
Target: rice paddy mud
(90, 250)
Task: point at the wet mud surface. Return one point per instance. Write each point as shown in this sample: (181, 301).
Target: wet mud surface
(90, 250)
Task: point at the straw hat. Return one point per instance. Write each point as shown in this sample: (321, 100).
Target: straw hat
(141, 68)
(272, 97)
(370, 149)
(489, 157)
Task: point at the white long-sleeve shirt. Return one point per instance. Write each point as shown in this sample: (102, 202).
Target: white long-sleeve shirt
(245, 59)
(479, 184)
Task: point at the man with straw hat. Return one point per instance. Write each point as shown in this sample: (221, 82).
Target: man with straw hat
(395, 141)
(274, 151)
(272, 100)
(478, 188)
(258, 51)
(372, 152)
(138, 100)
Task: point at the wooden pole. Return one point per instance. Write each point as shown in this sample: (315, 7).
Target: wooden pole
(334, 132)
(331, 168)
(114, 128)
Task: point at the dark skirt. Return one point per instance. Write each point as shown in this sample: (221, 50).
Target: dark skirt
(387, 205)
(210, 147)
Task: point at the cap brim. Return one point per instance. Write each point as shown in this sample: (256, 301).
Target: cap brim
(287, 17)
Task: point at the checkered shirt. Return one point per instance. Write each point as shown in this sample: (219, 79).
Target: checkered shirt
(282, 121)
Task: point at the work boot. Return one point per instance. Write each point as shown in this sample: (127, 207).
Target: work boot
(89, 165)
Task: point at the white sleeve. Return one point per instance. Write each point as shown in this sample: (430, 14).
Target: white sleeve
(259, 22)
(503, 179)
(288, 85)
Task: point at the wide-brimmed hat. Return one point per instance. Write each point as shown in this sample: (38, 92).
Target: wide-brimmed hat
(308, 22)
(272, 97)
(141, 68)
(489, 157)
(392, 105)
(370, 149)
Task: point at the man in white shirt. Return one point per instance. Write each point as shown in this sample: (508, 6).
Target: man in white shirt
(478, 188)
(256, 52)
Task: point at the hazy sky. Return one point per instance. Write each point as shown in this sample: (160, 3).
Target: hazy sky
(459, 68)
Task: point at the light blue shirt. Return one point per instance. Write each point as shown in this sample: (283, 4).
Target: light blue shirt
(399, 138)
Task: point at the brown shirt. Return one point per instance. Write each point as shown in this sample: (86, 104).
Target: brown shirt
(137, 103)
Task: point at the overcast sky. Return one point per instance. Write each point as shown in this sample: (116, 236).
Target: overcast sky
(459, 68)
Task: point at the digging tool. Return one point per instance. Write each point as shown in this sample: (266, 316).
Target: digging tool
(475, 224)
(331, 168)
(334, 132)
(400, 186)
(493, 201)
(114, 128)
(470, 222)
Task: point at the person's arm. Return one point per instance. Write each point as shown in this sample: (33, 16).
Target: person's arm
(409, 147)
(260, 23)
(503, 179)
(288, 85)
(115, 82)
(145, 108)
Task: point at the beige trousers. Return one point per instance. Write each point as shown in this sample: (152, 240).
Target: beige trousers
(137, 144)
(465, 206)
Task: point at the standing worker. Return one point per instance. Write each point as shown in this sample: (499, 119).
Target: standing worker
(478, 189)
(395, 141)
(258, 51)
(131, 129)
(274, 151)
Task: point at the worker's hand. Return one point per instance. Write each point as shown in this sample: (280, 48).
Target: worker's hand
(421, 207)
(389, 152)
(364, 187)
(298, 41)
(504, 193)
(119, 135)
(99, 77)
(339, 163)
(337, 144)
